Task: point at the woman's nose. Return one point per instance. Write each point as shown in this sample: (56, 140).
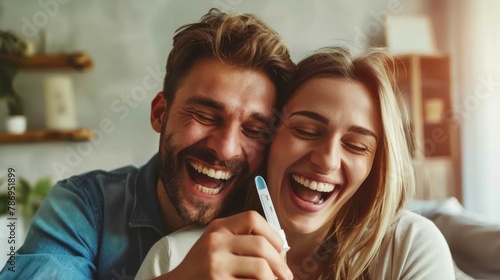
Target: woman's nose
(327, 157)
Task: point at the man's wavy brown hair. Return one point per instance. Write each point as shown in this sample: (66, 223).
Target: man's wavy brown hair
(240, 40)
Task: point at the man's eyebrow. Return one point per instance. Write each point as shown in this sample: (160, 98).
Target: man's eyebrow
(261, 118)
(322, 119)
(208, 102)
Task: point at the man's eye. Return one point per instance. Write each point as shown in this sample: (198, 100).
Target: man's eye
(255, 131)
(204, 118)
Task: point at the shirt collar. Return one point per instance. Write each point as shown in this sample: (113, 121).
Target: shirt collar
(146, 211)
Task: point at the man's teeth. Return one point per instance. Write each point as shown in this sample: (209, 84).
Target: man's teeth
(212, 173)
(313, 185)
(208, 190)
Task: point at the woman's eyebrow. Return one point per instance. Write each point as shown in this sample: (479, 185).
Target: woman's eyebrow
(324, 120)
(363, 131)
(311, 115)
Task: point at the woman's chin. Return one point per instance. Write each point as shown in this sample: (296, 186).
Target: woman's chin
(304, 226)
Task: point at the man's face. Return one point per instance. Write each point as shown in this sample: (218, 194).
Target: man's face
(211, 135)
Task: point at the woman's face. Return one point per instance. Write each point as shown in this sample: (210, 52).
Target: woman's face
(322, 153)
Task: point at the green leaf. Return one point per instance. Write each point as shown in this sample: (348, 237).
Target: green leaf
(35, 197)
(42, 187)
(23, 190)
(3, 203)
(14, 101)
(3, 197)
(11, 44)
(15, 105)
(8, 70)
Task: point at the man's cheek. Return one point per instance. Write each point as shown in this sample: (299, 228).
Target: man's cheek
(192, 133)
(256, 160)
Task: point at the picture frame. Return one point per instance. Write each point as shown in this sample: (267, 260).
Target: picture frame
(410, 34)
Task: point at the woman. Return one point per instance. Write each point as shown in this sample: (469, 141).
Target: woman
(339, 172)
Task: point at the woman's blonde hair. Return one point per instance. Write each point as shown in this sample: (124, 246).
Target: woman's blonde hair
(361, 224)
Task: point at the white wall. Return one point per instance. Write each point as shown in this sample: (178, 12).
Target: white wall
(129, 39)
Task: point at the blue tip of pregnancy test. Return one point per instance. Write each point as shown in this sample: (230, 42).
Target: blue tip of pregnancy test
(260, 183)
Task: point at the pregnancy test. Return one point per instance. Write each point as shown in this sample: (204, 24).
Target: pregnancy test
(269, 212)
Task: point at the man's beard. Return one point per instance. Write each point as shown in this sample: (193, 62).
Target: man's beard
(190, 208)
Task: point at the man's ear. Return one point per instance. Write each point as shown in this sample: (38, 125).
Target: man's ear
(158, 110)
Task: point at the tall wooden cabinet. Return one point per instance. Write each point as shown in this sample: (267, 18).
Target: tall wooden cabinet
(425, 82)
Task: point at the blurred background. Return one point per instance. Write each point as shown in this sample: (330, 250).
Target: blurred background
(452, 85)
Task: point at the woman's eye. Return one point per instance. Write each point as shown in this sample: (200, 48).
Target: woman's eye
(304, 133)
(357, 148)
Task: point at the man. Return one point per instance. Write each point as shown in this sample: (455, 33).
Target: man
(224, 78)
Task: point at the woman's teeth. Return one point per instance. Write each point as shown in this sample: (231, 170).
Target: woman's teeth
(313, 185)
(212, 173)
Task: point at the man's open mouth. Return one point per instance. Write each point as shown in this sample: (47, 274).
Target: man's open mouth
(208, 179)
(312, 191)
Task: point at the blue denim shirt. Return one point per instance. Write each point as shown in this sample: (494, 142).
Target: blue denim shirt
(99, 225)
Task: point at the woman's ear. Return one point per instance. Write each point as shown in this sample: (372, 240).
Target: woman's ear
(158, 109)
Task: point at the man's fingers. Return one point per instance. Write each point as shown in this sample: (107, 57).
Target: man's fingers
(248, 223)
(261, 253)
(252, 267)
(246, 246)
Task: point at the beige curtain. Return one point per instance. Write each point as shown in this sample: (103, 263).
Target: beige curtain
(474, 42)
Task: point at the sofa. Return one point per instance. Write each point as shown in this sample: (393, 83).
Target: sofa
(474, 242)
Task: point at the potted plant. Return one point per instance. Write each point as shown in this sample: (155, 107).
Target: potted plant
(28, 197)
(11, 45)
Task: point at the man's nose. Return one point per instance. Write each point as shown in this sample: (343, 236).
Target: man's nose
(226, 142)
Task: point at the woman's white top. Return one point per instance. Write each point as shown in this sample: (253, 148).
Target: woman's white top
(413, 248)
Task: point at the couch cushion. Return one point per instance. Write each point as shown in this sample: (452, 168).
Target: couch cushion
(474, 242)
(432, 208)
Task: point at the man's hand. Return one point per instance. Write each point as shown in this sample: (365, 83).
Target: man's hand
(240, 246)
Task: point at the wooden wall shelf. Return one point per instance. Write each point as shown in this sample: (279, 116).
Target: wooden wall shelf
(83, 134)
(78, 61)
(73, 61)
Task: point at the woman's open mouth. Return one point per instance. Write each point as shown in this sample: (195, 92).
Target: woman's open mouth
(312, 191)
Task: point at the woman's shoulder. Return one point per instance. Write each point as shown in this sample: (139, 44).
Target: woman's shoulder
(409, 228)
(412, 229)
(413, 246)
(168, 252)
(407, 220)
(181, 241)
